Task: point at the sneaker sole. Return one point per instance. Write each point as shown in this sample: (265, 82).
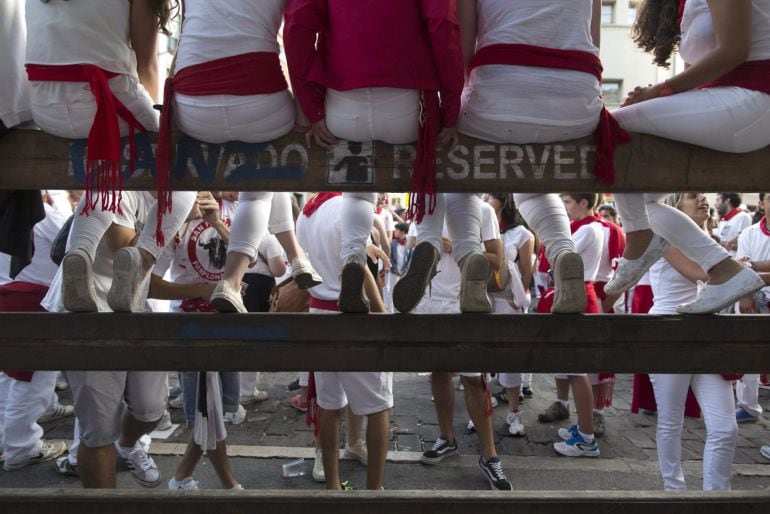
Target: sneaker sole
(143, 483)
(351, 298)
(473, 290)
(318, 478)
(122, 296)
(492, 482)
(570, 292)
(431, 460)
(408, 291)
(77, 284)
(223, 305)
(306, 281)
(31, 462)
(567, 454)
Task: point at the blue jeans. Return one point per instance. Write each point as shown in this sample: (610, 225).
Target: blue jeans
(231, 390)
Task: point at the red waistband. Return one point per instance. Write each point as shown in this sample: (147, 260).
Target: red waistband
(753, 75)
(608, 132)
(255, 73)
(325, 305)
(103, 157)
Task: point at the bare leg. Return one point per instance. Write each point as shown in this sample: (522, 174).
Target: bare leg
(97, 466)
(584, 402)
(290, 244)
(562, 389)
(221, 464)
(513, 397)
(377, 432)
(355, 424)
(636, 243)
(192, 455)
(235, 267)
(444, 399)
(330, 445)
(133, 429)
(476, 403)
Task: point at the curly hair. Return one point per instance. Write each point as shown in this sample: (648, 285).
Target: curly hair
(656, 29)
(165, 10)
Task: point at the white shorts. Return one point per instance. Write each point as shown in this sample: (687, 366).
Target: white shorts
(367, 392)
(221, 118)
(385, 114)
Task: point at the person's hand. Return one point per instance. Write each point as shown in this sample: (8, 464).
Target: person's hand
(745, 261)
(208, 206)
(747, 306)
(447, 138)
(446, 245)
(609, 301)
(319, 133)
(641, 94)
(374, 252)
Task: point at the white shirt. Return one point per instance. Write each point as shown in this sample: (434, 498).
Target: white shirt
(538, 96)
(698, 38)
(589, 241)
(42, 269)
(268, 249)
(754, 244)
(320, 235)
(387, 220)
(14, 87)
(732, 228)
(669, 288)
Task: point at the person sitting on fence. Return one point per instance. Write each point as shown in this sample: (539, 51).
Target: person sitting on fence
(721, 101)
(110, 45)
(369, 393)
(361, 82)
(519, 57)
(227, 85)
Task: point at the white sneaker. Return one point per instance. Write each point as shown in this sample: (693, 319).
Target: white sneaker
(318, 467)
(188, 484)
(569, 284)
(237, 417)
(165, 422)
(143, 468)
(515, 426)
(714, 298)
(176, 403)
(237, 487)
(257, 397)
(471, 426)
(129, 289)
(77, 287)
(61, 411)
(357, 452)
(303, 273)
(629, 272)
(48, 451)
(226, 299)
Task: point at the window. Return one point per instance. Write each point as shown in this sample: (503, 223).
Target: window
(632, 7)
(608, 13)
(612, 91)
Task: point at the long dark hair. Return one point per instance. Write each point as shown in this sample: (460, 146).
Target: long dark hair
(165, 10)
(656, 29)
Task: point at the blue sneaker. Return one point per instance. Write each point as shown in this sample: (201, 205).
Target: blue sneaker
(765, 451)
(576, 446)
(744, 416)
(568, 433)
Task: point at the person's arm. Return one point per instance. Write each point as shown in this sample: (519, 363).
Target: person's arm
(596, 23)
(495, 253)
(209, 208)
(373, 292)
(466, 12)
(690, 270)
(526, 252)
(164, 290)
(732, 31)
(276, 265)
(144, 41)
(383, 237)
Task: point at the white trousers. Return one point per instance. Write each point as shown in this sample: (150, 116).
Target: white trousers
(644, 211)
(546, 216)
(715, 396)
(256, 213)
(21, 404)
(747, 393)
(221, 118)
(462, 214)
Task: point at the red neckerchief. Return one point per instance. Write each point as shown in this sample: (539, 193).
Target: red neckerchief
(317, 201)
(575, 225)
(379, 209)
(682, 3)
(763, 226)
(617, 241)
(730, 215)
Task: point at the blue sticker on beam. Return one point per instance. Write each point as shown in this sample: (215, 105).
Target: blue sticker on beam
(240, 333)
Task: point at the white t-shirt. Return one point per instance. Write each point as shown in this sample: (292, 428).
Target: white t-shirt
(732, 228)
(754, 244)
(387, 220)
(320, 235)
(42, 269)
(698, 38)
(136, 206)
(669, 288)
(516, 93)
(268, 248)
(589, 241)
(490, 228)
(198, 254)
(14, 87)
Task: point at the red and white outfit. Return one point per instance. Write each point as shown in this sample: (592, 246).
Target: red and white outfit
(754, 243)
(714, 394)
(723, 116)
(319, 231)
(15, 96)
(612, 251)
(731, 226)
(373, 66)
(25, 396)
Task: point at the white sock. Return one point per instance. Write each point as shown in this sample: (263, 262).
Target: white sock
(589, 438)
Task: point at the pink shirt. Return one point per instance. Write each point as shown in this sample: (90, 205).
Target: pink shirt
(406, 44)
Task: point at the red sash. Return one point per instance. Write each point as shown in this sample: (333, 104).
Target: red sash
(103, 158)
(324, 305)
(424, 173)
(316, 202)
(752, 75)
(21, 297)
(608, 132)
(643, 299)
(593, 306)
(256, 73)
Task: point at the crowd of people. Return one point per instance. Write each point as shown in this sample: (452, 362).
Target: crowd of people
(399, 71)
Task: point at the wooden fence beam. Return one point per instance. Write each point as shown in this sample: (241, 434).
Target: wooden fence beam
(36, 160)
(285, 342)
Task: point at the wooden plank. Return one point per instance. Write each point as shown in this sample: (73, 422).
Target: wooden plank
(285, 342)
(35, 160)
(32, 501)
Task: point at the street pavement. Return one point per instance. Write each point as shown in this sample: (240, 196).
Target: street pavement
(275, 433)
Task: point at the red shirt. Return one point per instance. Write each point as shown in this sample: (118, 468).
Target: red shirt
(406, 44)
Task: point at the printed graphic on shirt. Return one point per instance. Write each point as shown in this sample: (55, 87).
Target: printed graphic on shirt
(352, 163)
(207, 251)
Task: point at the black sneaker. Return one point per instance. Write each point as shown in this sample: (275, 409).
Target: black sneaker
(501, 396)
(440, 451)
(493, 472)
(526, 392)
(294, 385)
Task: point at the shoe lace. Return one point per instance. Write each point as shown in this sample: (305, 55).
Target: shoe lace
(140, 460)
(439, 443)
(497, 469)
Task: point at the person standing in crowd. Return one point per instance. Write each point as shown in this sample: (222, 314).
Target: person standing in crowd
(377, 88)
(674, 280)
(732, 220)
(117, 58)
(721, 101)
